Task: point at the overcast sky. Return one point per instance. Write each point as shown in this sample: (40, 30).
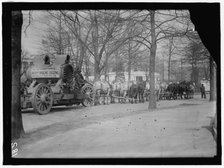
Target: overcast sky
(31, 40)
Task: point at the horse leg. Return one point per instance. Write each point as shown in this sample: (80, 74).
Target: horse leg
(108, 96)
(136, 98)
(104, 99)
(143, 97)
(96, 100)
(111, 96)
(123, 99)
(139, 98)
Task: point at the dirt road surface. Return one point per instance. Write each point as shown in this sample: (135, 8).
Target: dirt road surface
(178, 128)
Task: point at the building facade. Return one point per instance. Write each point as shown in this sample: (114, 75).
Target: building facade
(135, 76)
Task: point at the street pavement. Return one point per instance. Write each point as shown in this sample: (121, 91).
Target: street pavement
(177, 128)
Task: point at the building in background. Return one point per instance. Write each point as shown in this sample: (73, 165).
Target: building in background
(135, 76)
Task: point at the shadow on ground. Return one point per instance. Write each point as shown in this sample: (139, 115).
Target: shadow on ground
(56, 109)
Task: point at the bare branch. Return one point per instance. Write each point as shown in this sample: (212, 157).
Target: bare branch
(29, 22)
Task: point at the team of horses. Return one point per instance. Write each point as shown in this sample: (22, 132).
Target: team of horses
(134, 92)
(118, 90)
(180, 90)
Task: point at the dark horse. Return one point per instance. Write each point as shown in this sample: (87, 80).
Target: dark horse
(141, 90)
(133, 93)
(173, 90)
(183, 89)
(136, 91)
(186, 89)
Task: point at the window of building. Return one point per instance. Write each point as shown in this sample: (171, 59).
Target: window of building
(139, 78)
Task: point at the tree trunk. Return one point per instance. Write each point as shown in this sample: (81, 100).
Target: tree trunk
(181, 70)
(170, 54)
(212, 80)
(87, 68)
(82, 55)
(77, 55)
(96, 71)
(60, 51)
(169, 69)
(116, 66)
(129, 62)
(16, 118)
(96, 49)
(105, 71)
(129, 72)
(152, 99)
(195, 74)
(206, 70)
(163, 73)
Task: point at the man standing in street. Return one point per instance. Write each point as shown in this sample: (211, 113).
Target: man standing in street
(202, 88)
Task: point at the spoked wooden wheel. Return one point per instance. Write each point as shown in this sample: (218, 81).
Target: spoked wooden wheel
(87, 91)
(42, 99)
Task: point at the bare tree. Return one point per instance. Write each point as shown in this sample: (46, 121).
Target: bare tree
(132, 54)
(159, 26)
(171, 49)
(195, 55)
(152, 99)
(106, 32)
(56, 38)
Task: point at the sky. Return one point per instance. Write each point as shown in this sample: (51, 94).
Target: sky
(31, 39)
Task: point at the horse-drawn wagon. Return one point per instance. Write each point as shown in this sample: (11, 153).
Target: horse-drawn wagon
(52, 84)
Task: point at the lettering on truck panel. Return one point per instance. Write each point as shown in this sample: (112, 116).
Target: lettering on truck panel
(39, 73)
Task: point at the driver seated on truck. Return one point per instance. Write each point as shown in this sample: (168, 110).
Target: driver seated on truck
(47, 60)
(67, 61)
(78, 76)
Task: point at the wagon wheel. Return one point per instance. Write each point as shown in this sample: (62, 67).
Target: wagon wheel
(42, 99)
(87, 90)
